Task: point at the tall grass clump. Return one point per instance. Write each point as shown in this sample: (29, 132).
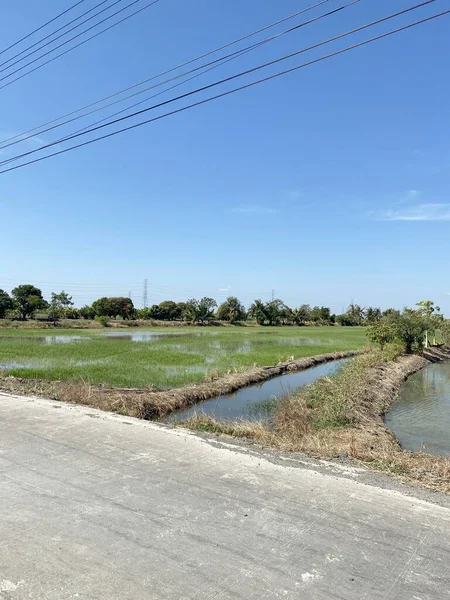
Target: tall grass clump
(330, 401)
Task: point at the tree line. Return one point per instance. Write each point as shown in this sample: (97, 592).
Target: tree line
(27, 300)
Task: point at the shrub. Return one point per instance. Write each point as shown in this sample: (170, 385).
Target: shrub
(102, 320)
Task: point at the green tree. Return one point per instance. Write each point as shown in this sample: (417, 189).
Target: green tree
(59, 304)
(114, 307)
(345, 320)
(169, 311)
(320, 315)
(432, 316)
(302, 314)
(357, 313)
(143, 313)
(382, 333)
(411, 327)
(87, 312)
(373, 314)
(231, 310)
(102, 307)
(200, 311)
(182, 310)
(6, 303)
(258, 312)
(28, 299)
(121, 307)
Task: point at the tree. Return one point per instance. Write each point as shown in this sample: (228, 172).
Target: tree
(411, 327)
(114, 307)
(433, 319)
(28, 299)
(373, 314)
(231, 310)
(345, 320)
(143, 313)
(87, 312)
(258, 312)
(122, 307)
(102, 307)
(320, 314)
(274, 311)
(59, 305)
(169, 311)
(182, 310)
(153, 312)
(5, 303)
(382, 333)
(302, 314)
(200, 311)
(357, 313)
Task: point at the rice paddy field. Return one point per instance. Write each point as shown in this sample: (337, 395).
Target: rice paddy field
(142, 358)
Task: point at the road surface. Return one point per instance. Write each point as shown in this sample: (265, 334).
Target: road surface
(101, 507)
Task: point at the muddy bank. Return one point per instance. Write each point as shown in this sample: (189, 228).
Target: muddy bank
(152, 404)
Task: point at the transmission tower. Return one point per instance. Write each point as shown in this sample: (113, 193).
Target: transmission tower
(145, 294)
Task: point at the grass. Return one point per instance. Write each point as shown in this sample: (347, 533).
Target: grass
(181, 356)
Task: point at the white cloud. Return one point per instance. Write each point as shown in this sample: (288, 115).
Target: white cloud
(420, 212)
(413, 194)
(254, 210)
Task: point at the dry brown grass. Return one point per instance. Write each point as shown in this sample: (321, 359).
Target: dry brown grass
(309, 422)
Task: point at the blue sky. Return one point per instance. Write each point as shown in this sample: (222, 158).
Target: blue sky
(326, 185)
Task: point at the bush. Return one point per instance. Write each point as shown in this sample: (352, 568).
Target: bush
(102, 320)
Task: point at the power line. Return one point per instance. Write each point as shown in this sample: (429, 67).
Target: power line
(209, 53)
(41, 27)
(69, 40)
(227, 79)
(215, 64)
(54, 32)
(77, 45)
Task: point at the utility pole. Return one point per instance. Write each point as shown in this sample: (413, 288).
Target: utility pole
(273, 295)
(145, 294)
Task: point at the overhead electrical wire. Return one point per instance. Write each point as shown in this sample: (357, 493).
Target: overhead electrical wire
(77, 45)
(41, 27)
(228, 79)
(69, 40)
(223, 94)
(55, 32)
(203, 68)
(184, 64)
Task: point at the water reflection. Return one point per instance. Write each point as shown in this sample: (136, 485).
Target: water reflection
(256, 401)
(420, 418)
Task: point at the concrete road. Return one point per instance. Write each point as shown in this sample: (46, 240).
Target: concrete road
(95, 506)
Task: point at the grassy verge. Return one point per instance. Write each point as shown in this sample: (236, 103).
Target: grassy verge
(342, 415)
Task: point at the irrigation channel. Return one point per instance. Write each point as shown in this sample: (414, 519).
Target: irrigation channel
(256, 402)
(420, 418)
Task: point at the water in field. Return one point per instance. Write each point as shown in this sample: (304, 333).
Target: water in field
(420, 419)
(257, 401)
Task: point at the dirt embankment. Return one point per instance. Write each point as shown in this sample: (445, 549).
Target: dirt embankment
(343, 417)
(151, 404)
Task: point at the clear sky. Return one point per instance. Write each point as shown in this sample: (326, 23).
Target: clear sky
(326, 185)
